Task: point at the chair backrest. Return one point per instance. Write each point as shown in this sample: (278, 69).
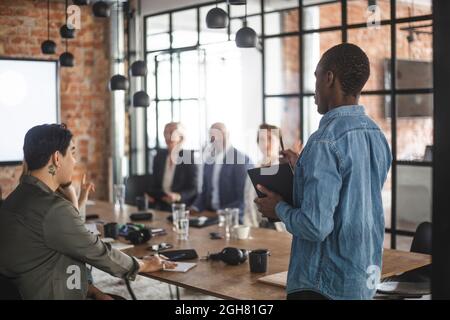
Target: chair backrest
(8, 291)
(136, 186)
(422, 239)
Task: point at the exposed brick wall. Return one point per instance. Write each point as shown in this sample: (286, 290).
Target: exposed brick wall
(85, 104)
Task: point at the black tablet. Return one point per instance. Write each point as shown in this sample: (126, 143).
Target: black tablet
(277, 178)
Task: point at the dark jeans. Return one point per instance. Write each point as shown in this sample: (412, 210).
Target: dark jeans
(305, 295)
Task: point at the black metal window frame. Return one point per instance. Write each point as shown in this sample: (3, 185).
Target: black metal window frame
(344, 27)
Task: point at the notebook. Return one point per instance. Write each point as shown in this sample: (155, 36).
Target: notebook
(182, 267)
(277, 279)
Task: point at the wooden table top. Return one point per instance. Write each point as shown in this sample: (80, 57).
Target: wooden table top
(233, 282)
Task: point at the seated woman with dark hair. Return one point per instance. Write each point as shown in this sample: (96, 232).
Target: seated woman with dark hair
(174, 172)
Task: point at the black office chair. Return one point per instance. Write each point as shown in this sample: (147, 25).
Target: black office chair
(421, 244)
(8, 291)
(417, 280)
(136, 186)
(422, 238)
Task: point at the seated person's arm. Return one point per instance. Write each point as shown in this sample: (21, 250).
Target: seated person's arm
(198, 205)
(190, 191)
(155, 191)
(64, 231)
(199, 202)
(313, 220)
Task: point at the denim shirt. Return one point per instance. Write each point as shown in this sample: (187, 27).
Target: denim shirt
(337, 220)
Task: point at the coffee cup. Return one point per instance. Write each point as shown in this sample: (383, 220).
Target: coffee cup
(242, 232)
(258, 260)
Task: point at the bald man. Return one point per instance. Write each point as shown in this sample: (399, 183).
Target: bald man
(224, 174)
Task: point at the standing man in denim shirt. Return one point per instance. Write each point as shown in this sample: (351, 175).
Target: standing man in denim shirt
(337, 219)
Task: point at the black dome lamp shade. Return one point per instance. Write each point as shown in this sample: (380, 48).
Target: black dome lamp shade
(216, 18)
(118, 81)
(67, 59)
(101, 9)
(141, 99)
(81, 2)
(66, 32)
(139, 69)
(246, 37)
(237, 2)
(48, 46)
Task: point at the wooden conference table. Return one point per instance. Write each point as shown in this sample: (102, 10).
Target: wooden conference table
(217, 279)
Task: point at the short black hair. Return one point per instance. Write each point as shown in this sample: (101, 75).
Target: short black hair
(44, 140)
(350, 65)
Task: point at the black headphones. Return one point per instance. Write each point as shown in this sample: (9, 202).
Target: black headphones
(231, 256)
(139, 236)
(135, 234)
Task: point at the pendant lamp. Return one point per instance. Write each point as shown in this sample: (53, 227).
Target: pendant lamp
(101, 9)
(118, 81)
(246, 37)
(216, 18)
(48, 46)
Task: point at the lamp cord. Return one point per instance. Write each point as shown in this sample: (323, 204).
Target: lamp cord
(48, 19)
(66, 24)
(67, 4)
(245, 13)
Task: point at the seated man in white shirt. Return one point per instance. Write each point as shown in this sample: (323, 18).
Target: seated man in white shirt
(174, 171)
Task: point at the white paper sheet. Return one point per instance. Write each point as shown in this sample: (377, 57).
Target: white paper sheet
(182, 267)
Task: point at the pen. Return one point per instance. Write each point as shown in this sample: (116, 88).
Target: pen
(182, 255)
(281, 143)
(282, 149)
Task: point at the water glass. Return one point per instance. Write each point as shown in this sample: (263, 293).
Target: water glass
(176, 208)
(231, 221)
(221, 215)
(119, 196)
(182, 225)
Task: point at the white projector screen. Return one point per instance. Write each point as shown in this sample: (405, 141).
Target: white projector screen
(29, 96)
